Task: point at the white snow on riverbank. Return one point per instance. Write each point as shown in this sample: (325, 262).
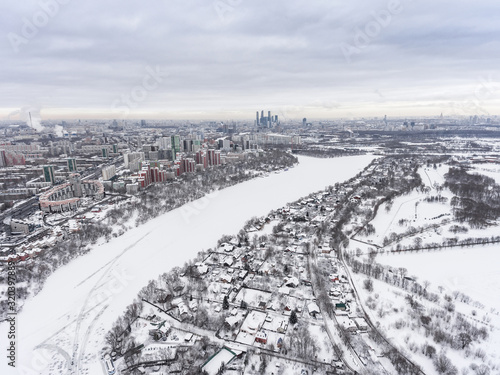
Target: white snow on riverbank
(79, 302)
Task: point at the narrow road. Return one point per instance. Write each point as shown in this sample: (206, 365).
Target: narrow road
(189, 328)
(361, 306)
(349, 356)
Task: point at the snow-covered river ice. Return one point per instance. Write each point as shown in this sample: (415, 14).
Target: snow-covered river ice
(68, 319)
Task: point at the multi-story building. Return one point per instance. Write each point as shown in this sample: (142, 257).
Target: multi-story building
(22, 147)
(132, 188)
(19, 226)
(48, 173)
(66, 197)
(188, 165)
(165, 143)
(11, 158)
(176, 146)
(213, 157)
(72, 165)
(131, 157)
(108, 172)
(201, 158)
(97, 149)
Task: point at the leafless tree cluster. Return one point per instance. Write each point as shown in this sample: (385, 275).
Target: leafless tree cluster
(477, 197)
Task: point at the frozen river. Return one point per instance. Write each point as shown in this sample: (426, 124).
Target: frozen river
(66, 322)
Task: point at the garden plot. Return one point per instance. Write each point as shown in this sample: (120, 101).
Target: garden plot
(267, 229)
(274, 340)
(302, 292)
(250, 327)
(217, 291)
(263, 282)
(325, 352)
(252, 297)
(293, 303)
(276, 323)
(276, 366)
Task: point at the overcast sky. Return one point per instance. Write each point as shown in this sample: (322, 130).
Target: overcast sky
(228, 58)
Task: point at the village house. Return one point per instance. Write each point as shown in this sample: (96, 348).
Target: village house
(313, 309)
(261, 337)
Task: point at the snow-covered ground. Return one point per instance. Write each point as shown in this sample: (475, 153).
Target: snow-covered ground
(66, 322)
(490, 170)
(472, 271)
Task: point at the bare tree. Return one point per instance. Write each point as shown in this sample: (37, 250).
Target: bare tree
(443, 365)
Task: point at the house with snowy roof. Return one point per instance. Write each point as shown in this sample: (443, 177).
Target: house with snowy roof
(261, 337)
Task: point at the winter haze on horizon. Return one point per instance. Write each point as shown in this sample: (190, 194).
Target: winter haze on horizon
(229, 58)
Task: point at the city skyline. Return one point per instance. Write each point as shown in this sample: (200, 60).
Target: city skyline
(227, 59)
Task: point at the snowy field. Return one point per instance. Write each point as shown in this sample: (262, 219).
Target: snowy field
(473, 271)
(390, 309)
(490, 170)
(66, 322)
(412, 209)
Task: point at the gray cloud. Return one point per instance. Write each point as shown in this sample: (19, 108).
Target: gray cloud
(256, 54)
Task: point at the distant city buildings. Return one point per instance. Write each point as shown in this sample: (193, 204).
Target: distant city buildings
(108, 172)
(133, 160)
(48, 174)
(165, 143)
(148, 175)
(21, 227)
(10, 158)
(176, 145)
(72, 165)
(66, 197)
(213, 157)
(16, 154)
(275, 139)
(266, 122)
(105, 152)
(98, 149)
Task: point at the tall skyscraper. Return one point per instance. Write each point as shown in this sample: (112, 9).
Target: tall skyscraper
(165, 143)
(257, 117)
(176, 146)
(48, 173)
(72, 165)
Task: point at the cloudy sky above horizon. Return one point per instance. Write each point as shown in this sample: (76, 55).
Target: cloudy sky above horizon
(229, 58)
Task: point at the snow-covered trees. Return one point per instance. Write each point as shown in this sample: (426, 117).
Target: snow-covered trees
(225, 303)
(302, 343)
(444, 365)
(368, 285)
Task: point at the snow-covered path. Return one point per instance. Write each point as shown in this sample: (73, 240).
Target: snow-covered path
(66, 322)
